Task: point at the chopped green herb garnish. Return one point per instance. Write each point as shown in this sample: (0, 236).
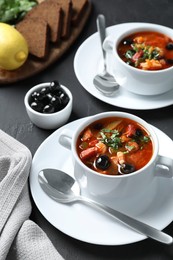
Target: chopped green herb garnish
(129, 54)
(146, 139)
(12, 11)
(110, 138)
(143, 53)
(129, 147)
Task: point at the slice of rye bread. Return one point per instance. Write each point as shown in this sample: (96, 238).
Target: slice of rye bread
(36, 33)
(79, 7)
(51, 12)
(66, 6)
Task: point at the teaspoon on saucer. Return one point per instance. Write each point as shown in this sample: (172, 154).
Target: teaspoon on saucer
(64, 189)
(104, 81)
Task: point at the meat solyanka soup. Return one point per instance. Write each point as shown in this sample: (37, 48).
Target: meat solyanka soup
(114, 146)
(147, 50)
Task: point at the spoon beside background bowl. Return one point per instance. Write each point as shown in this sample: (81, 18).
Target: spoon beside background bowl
(104, 81)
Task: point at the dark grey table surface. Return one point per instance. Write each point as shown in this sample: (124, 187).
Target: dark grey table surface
(14, 121)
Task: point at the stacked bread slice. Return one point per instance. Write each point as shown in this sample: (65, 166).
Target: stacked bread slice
(50, 21)
(79, 7)
(36, 32)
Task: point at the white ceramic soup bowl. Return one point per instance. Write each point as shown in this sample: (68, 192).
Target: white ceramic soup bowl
(109, 188)
(142, 82)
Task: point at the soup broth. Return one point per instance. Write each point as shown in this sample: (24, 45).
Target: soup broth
(114, 146)
(147, 50)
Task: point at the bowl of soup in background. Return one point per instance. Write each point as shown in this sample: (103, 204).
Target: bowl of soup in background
(132, 48)
(107, 188)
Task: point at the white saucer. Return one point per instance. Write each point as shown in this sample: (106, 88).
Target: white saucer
(86, 224)
(88, 62)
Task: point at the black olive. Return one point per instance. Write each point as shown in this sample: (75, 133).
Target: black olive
(127, 41)
(38, 96)
(56, 103)
(34, 96)
(48, 109)
(169, 61)
(44, 90)
(37, 106)
(41, 97)
(169, 46)
(49, 96)
(127, 168)
(64, 98)
(55, 87)
(44, 99)
(103, 162)
(98, 126)
(54, 84)
(139, 132)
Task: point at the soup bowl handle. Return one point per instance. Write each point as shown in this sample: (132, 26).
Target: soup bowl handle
(65, 138)
(164, 167)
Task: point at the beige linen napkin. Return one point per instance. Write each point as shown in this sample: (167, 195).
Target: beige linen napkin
(19, 236)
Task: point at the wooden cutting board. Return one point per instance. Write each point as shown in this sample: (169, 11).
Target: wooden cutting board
(33, 66)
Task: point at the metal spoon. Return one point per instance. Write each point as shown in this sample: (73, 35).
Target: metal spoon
(104, 82)
(64, 189)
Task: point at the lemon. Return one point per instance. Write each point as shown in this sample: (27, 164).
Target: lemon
(13, 48)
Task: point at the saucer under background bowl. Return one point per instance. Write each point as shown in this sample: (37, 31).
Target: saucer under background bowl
(52, 120)
(85, 72)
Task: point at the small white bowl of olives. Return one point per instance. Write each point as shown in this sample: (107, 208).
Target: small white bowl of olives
(49, 105)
